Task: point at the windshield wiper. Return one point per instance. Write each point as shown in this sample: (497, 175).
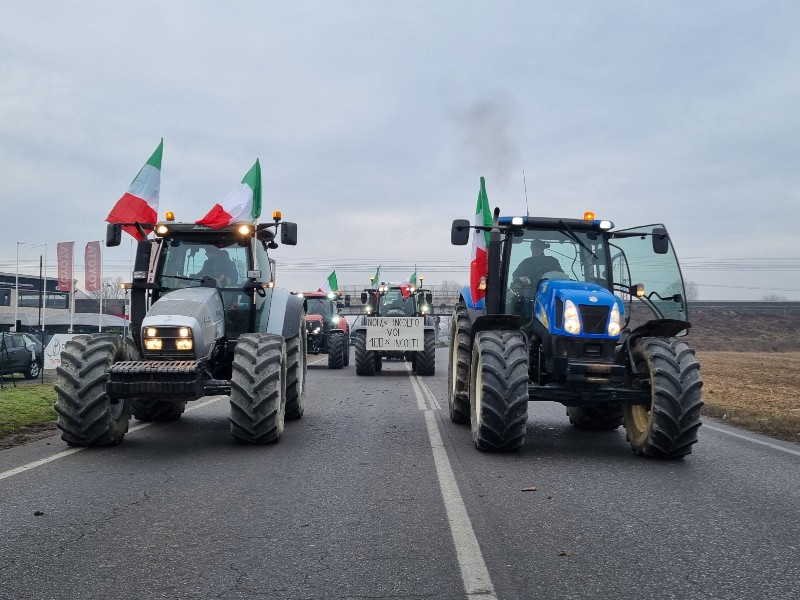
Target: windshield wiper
(575, 238)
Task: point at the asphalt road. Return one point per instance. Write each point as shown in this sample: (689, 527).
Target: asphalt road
(374, 493)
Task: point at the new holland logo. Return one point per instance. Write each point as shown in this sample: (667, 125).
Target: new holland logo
(592, 298)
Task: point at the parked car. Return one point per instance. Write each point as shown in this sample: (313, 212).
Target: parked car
(20, 353)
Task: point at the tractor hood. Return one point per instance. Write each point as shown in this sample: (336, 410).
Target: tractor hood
(593, 302)
(198, 308)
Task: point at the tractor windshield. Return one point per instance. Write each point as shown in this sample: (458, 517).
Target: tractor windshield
(185, 263)
(550, 254)
(319, 306)
(395, 304)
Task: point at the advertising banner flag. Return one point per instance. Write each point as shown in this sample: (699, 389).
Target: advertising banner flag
(92, 260)
(64, 251)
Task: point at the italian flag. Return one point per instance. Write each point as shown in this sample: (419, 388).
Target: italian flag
(331, 285)
(243, 203)
(479, 267)
(406, 285)
(140, 203)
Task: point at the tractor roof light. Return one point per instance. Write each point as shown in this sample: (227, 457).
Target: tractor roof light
(276, 215)
(170, 215)
(588, 215)
(331, 295)
(637, 290)
(605, 225)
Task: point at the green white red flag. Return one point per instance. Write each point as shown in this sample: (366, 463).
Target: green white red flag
(243, 203)
(140, 203)
(331, 284)
(405, 287)
(479, 267)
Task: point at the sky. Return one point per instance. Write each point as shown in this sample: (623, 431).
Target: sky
(374, 121)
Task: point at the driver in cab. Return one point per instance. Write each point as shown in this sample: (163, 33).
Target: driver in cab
(533, 268)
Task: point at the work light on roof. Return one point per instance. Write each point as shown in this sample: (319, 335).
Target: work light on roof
(516, 221)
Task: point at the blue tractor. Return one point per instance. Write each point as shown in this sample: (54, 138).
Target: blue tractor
(575, 312)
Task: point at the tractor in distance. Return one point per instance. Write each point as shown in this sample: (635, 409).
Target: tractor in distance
(396, 324)
(326, 328)
(206, 318)
(577, 313)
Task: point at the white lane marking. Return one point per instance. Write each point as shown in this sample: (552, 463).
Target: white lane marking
(49, 459)
(750, 439)
(316, 361)
(424, 391)
(474, 573)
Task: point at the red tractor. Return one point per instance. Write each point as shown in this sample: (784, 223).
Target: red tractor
(327, 330)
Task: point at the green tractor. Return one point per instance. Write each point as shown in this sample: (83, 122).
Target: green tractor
(206, 318)
(397, 324)
(578, 313)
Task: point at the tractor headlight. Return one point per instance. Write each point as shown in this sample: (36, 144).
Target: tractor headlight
(572, 323)
(368, 309)
(425, 309)
(183, 344)
(331, 295)
(335, 319)
(316, 330)
(151, 332)
(153, 344)
(613, 322)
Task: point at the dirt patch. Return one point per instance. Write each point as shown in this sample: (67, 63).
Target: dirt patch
(28, 434)
(757, 391)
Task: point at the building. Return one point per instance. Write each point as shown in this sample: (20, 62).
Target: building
(38, 298)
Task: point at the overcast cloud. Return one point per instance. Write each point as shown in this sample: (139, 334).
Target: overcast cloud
(374, 121)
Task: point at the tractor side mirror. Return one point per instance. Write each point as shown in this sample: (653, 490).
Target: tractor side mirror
(428, 298)
(289, 233)
(459, 233)
(113, 234)
(364, 297)
(660, 240)
(347, 301)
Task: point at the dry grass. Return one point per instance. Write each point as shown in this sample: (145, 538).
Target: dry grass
(759, 391)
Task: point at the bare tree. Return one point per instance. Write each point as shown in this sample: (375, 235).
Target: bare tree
(109, 289)
(690, 287)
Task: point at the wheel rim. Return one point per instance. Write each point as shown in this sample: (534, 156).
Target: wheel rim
(477, 413)
(641, 417)
(34, 370)
(117, 409)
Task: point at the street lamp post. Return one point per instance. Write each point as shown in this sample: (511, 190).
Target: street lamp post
(16, 279)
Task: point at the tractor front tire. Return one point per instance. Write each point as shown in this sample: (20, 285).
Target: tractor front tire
(296, 370)
(458, 372)
(595, 418)
(365, 360)
(498, 392)
(86, 415)
(159, 411)
(425, 363)
(346, 348)
(258, 388)
(667, 427)
(336, 349)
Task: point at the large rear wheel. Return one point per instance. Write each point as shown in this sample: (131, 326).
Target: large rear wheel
(597, 418)
(425, 363)
(458, 371)
(86, 415)
(498, 392)
(157, 410)
(365, 360)
(336, 349)
(258, 388)
(667, 426)
(296, 369)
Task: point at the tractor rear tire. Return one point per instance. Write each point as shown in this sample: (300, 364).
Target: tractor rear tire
(425, 363)
(86, 416)
(258, 388)
(458, 372)
(159, 411)
(336, 350)
(365, 359)
(379, 363)
(667, 427)
(296, 370)
(498, 392)
(595, 418)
